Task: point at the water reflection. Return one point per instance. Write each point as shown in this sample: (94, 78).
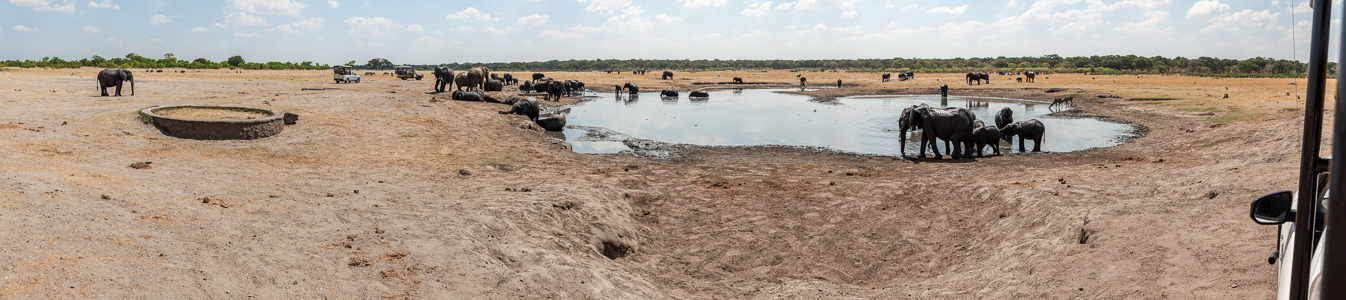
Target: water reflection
(763, 117)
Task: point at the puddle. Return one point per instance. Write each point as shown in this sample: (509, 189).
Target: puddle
(861, 124)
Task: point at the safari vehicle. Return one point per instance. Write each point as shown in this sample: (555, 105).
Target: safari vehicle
(344, 74)
(1312, 255)
(404, 72)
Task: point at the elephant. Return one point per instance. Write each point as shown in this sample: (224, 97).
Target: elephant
(619, 89)
(901, 77)
(953, 124)
(973, 76)
(526, 86)
(110, 78)
(985, 77)
(537, 76)
(509, 79)
(886, 76)
(494, 85)
(1030, 130)
(443, 78)
(1030, 76)
(911, 75)
(698, 94)
(668, 75)
(1003, 118)
(738, 80)
(573, 85)
(944, 90)
(984, 136)
(669, 93)
(512, 99)
(904, 123)
(554, 90)
(525, 107)
(802, 81)
(469, 96)
(631, 88)
(1019, 79)
(462, 80)
(555, 122)
(497, 77)
(477, 77)
(1066, 100)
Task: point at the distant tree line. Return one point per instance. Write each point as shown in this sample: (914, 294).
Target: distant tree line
(133, 60)
(1100, 65)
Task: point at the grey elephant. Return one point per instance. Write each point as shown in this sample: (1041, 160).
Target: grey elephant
(944, 90)
(537, 76)
(469, 96)
(554, 122)
(953, 124)
(1026, 130)
(668, 93)
(494, 85)
(462, 80)
(973, 76)
(667, 75)
(886, 76)
(1030, 76)
(738, 80)
(509, 79)
(984, 136)
(631, 88)
(526, 86)
(905, 123)
(476, 77)
(443, 78)
(1004, 117)
(554, 90)
(698, 94)
(110, 78)
(525, 107)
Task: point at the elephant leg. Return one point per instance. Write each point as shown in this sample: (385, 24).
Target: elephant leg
(923, 144)
(1021, 144)
(1037, 145)
(104, 90)
(119, 89)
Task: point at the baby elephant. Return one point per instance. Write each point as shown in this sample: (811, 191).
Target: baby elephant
(984, 136)
(1026, 130)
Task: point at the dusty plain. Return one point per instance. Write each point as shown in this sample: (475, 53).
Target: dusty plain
(383, 190)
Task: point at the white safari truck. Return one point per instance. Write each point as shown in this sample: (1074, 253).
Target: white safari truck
(1309, 247)
(344, 74)
(405, 72)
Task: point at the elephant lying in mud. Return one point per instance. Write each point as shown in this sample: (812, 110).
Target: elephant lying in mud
(525, 107)
(469, 96)
(983, 136)
(555, 122)
(1026, 130)
(953, 124)
(110, 78)
(669, 93)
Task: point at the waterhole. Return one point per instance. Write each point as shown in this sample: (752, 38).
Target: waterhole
(861, 124)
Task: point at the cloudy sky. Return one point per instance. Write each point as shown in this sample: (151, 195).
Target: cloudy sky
(430, 32)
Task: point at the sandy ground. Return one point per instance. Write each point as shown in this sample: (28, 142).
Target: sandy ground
(384, 191)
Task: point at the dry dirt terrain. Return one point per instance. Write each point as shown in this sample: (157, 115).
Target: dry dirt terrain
(385, 191)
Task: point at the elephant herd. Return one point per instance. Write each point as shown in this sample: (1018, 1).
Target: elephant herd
(901, 76)
(480, 77)
(959, 127)
(983, 76)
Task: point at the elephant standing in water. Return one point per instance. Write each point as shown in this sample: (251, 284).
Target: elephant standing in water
(983, 136)
(110, 78)
(905, 122)
(631, 88)
(953, 124)
(1004, 117)
(669, 93)
(1030, 130)
(802, 81)
(443, 78)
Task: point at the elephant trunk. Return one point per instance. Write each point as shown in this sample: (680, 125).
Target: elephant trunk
(902, 136)
(133, 86)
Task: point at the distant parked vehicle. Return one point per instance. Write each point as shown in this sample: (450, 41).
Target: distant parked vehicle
(405, 72)
(344, 74)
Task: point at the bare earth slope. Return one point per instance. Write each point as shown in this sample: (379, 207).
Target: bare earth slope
(366, 198)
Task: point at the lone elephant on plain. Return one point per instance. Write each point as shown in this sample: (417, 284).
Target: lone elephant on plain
(110, 78)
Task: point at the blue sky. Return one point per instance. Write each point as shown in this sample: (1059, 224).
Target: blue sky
(421, 32)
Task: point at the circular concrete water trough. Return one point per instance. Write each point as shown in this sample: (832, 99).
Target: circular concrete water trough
(218, 122)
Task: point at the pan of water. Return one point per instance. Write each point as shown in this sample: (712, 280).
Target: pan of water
(860, 124)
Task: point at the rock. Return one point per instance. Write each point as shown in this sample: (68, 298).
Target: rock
(465, 172)
(552, 122)
(291, 118)
(140, 165)
(528, 125)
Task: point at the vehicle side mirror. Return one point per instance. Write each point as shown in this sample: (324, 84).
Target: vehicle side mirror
(1273, 208)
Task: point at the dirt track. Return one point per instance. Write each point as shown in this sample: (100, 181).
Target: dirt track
(366, 198)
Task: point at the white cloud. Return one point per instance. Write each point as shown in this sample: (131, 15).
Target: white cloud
(712, 36)
(269, 7)
(363, 44)
(498, 31)
(367, 5)
(823, 28)
(243, 19)
(606, 7)
(24, 28)
(910, 7)
(162, 19)
(282, 28)
(630, 20)
(370, 26)
(756, 9)
(1149, 27)
(784, 6)
(665, 19)
(1011, 3)
(314, 24)
(752, 35)
(816, 29)
(1206, 7)
(849, 14)
(533, 20)
(1247, 17)
(857, 29)
(415, 28)
(439, 33)
(890, 4)
(557, 35)
(661, 41)
(246, 35)
(894, 24)
(91, 29)
(199, 29)
(105, 4)
(434, 43)
(825, 4)
(113, 40)
(218, 25)
(333, 3)
(156, 40)
(45, 5)
(701, 3)
(466, 29)
(948, 10)
(471, 14)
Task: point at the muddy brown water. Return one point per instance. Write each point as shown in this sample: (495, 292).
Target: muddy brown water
(861, 124)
